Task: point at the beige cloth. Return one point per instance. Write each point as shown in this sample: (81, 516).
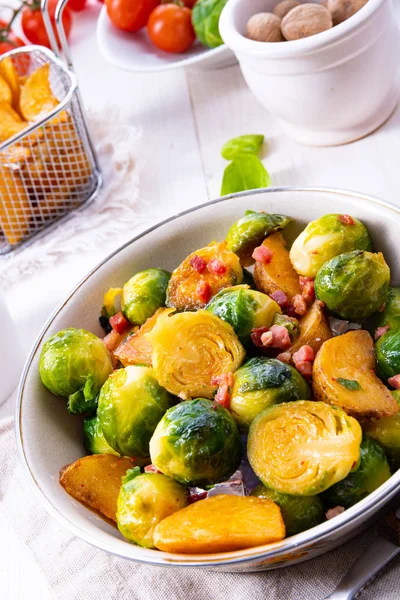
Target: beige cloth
(76, 570)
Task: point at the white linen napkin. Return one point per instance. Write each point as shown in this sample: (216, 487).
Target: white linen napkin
(76, 570)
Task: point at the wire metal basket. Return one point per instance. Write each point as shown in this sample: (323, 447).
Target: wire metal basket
(50, 167)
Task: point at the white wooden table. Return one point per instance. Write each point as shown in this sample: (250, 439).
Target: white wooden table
(185, 117)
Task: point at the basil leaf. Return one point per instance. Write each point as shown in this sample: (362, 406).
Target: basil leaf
(245, 173)
(244, 144)
(205, 20)
(350, 384)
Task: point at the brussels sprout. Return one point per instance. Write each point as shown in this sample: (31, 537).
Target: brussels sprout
(131, 404)
(93, 437)
(387, 350)
(386, 432)
(75, 363)
(144, 501)
(299, 512)
(326, 238)
(205, 19)
(143, 294)
(263, 382)
(353, 285)
(373, 470)
(244, 309)
(197, 443)
(249, 232)
(289, 323)
(390, 314)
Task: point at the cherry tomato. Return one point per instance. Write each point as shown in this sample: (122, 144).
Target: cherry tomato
(130, 15)
(189, 3)
(33, 25)
(170, 28)
(77, 5)
(8, 39)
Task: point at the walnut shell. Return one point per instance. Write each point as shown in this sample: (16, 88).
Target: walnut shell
(282, 9)
(306, 20)
(344, 9)
(264, 27)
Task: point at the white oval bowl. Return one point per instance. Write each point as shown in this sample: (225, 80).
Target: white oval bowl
(48, 438)
(135, 52)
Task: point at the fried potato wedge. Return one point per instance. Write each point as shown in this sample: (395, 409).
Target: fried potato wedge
(5, 92)
(96, 480)
(279, 274)
(314, 329)
(9, 73)
(36, 98)
(15, 207)
(344, 376)
(137, 348)
(11, 124)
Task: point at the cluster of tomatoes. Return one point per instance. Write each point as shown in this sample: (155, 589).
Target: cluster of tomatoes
(169, 24)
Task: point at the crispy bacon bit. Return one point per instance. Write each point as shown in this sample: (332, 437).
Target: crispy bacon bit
(217, 266)
(306, 353)
(198, 263)
(394, 382)
(304, 280)
(256, 335)
(119, 323)
(196, 496)
(346, 220)
(203, 291)
(381, 331)
(334, 512)
(224, 381)
(308, 292)
(304, 368)
(224, 378)
(299, 305)
(280, 298)
(263, 255)
(151, 469)
(276, 337)
(112, 340)
(284, 357)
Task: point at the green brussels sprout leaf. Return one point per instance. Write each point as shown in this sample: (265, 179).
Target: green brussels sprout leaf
(244, 144)
(93, 437)
(246, 172)
(131, 474)
(349, 384)
(205, 20)
(390, 314)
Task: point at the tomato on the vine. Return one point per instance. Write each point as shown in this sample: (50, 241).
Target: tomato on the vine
(8, 39)
(189, 3)
(77, 5)
(130, 15)
(170, 28)
(33, 25)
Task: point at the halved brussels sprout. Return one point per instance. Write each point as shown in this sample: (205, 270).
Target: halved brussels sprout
(299, 512)
(387, 350)
(249, 231)
(302, 448)
(197, 443)
(289, 323)
(190, 349)
(390, 314)
(131, 404)
(326, 238)
(244, 309)
(143, 294)
(386, 432)
(372, 471)
(353, 285)
(93, 437)
(144, 501)
(202, 275)
(261, 383)
(75, 363)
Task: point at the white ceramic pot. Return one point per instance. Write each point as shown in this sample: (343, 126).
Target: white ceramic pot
(11, 354)
(328, 89)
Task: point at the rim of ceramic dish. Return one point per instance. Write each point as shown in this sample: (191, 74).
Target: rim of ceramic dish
(207, 53)
(357, 514)
(239, 43)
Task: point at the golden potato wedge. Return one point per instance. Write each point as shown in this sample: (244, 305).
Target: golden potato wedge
(279, 274)
(96, 480)
(11, 124)
(314, 329)
(221, 524)
(137, 348)
(15, 207)
(344, 375)
(9, 73)
(5, 92)
(36, 98)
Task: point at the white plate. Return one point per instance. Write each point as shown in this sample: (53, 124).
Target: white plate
(135, 52)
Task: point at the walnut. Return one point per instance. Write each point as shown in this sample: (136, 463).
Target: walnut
(264, 27)
(282, 9)
(343, 9)
(306, 20)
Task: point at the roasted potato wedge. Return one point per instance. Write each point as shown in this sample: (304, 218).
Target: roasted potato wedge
(221, 524)
(344, 375)
(314, 330)
(9, 73)
(137, 349)
(5, 92)
(11, 124)
(96, 480)
(15, 207)
(279, 274)
(36, 99)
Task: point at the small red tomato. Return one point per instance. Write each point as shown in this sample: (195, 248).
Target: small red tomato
(77, 5)
(189, 3)
(8, 39)
(33, 25)
(130, 15)
(170, 28)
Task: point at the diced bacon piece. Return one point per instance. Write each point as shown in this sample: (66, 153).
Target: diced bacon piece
(263, 255)
(203, 291)
(223, 378)
(198, 263)
(256, 335)
(112, 340)
(276, 337)
(306, 353)
(280, 298)
(381, 331)
(223, 397)
(321, 304)
(217, 266)
(151, 469)
(308, 292)
(304, 280)
(299, 305)
(267, 338)
(195, 496)
(346, 220)
(334, 512)
(284, 357)
(304, 368)
(119, 323)
(394, 382)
